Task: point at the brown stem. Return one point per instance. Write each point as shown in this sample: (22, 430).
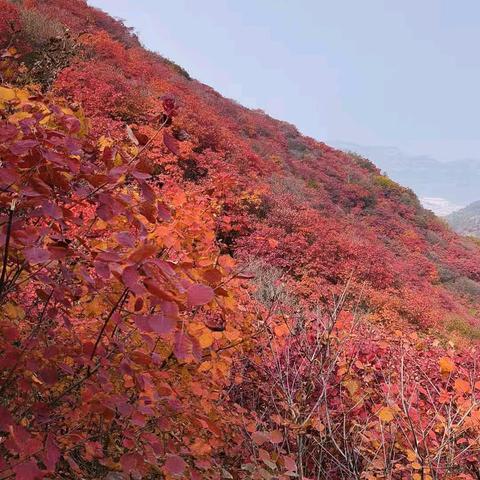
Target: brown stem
(7, 244)
(105, 323)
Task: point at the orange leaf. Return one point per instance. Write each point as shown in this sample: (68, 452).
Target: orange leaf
(461, 386)
(272, 242)
(446, 365)
(281, 330)
(206, 339)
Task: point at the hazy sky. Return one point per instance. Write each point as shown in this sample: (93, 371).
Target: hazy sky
(403, 73)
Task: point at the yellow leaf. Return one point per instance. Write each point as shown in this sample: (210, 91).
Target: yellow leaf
(36, 379)
(117, 161)
(446, 365)
(104, 142)
(206, 340)
(7, 94)
(95, 308)
(385, 414)
(22, 95)
(352, 386)
(411, 455)
(223, 368)
(14, 311)
(205, 367)
(16, 117)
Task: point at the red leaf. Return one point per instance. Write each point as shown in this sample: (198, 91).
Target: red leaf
(37, 255)
(142, 252)
(130, 462)
(153, 287)
(175, 465)
(51, 455)
(48, 375)
(169, 106)
(212, 275)
(170, 143)
(138, 304)
(130, 277)
(6, 419)
(142, 323)
(102, 269)
(163, 212)
(125, 239)
(22, 147)
(290, 464)
(276, 436)
(27, 471)
(259, 437)
(7, 131)
(162, 324)
(183, 347)
(199, 294)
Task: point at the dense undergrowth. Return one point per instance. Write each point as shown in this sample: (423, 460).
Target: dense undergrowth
(190, 289)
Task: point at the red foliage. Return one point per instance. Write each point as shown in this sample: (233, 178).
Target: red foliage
(130, 331)
(9, 22)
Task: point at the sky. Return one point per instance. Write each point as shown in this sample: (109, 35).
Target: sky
(400, 73)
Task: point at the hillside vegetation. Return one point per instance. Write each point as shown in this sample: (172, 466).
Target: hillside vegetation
(193, 290)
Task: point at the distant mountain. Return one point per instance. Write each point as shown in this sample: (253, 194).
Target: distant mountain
(442, 187)
(467, 220)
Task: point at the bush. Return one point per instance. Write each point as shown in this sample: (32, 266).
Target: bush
(123, 99)
(465, 286)
(38, 30)
(50, 47)
(462, 327)
(271, 291)
(9, 22)
(362, 162)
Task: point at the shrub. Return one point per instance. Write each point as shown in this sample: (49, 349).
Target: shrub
(123, 99)
(50, 47)
(271, 291)
(177, 68)
(9, 22)
(386, 183)
(462, 327)
(362, 162)
(465, 286)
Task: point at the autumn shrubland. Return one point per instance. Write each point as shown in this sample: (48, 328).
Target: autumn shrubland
(191, 289)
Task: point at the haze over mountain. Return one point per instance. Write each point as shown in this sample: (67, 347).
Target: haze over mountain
(467, 220)
(442, 187)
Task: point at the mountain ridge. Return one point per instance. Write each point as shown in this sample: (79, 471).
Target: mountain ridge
(442, 186)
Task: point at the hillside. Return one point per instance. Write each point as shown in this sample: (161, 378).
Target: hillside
(467, 220)
(442, 186)
(191, 289)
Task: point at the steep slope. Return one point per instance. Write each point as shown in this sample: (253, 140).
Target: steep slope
(466, 221)
(191, 289)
